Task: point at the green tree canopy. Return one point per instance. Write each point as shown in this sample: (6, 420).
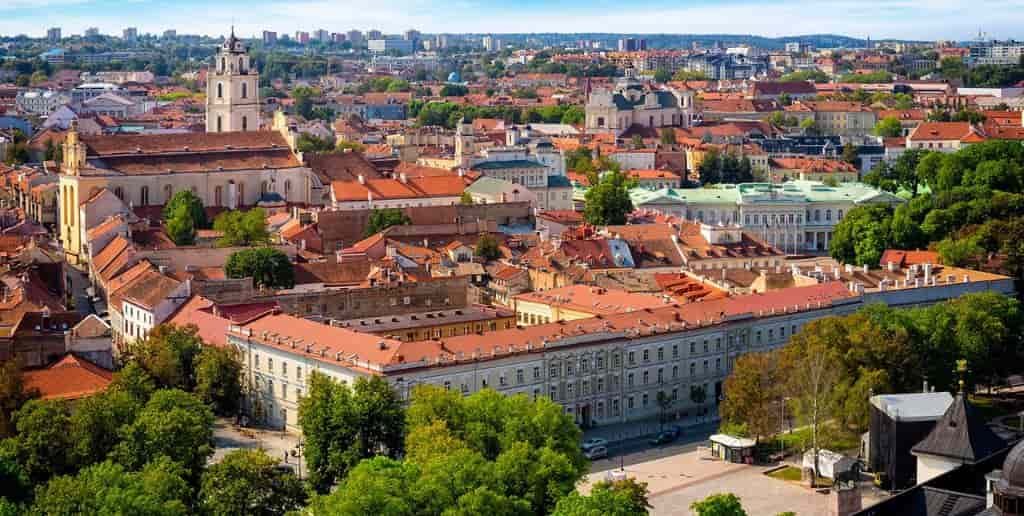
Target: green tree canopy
(268, 267)
(13, 394)
(343, 425)
(158, 489)
(726, 504)
(173, 424)
(620, 498)
(192, 205)
(168, 354)
(242, 228)
(487, 247)
(249, 482)
(888, 127)
(608, 201)
(218, 372)
(381, 219)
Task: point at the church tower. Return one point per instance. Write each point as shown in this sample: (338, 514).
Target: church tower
(232, 90)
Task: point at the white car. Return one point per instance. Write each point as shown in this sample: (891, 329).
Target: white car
(597, 452)
(593, 442)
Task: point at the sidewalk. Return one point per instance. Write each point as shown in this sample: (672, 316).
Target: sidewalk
(617, 432)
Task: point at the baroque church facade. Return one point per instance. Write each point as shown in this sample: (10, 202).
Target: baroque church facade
(236, 164)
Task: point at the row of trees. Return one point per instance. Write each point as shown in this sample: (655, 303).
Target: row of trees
(447, 454)
(968, 205)
(829, 369)
(141, 447)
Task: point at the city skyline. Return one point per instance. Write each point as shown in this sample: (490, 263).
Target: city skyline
(878, 19)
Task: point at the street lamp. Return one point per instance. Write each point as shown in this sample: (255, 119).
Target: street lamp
(782, 422)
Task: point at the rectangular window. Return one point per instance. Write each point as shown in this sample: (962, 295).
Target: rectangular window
(632, 357)
(661, 354)
(519, 376)
(554, 371)
(647, 355)
(536, 373)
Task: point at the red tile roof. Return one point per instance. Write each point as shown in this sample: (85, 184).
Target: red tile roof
(69, 379)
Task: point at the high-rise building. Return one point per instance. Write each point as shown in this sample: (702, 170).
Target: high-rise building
(383, 46)
(442, 41)
(269, 37)
(322, 36)
(130, 34)
(232, 90)
(355, 37)
(374, 34)
(53, 35)
(491, 43)
(170, 34)
(337, 37)
(632, 44)
(412, 34)
(302, 37)
(92, 32)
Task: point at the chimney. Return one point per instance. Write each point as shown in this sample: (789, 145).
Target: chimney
(890, 266)
(927, 273)
(403, 178)
(924, 387)
(362, 179)
(162, 269)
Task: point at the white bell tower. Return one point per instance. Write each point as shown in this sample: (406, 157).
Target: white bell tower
(232, 90)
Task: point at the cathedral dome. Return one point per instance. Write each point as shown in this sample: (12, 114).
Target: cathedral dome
(1012, 481)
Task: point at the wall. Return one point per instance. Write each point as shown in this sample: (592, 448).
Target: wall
(351, 303)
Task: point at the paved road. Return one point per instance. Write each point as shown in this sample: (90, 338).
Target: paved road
(637, 450)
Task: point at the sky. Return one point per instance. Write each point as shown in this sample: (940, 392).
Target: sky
(879, 19)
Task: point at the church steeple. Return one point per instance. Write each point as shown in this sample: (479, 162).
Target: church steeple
(232, 90)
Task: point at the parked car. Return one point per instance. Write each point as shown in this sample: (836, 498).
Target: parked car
(664, 437)
(597, 452)
(593, 442)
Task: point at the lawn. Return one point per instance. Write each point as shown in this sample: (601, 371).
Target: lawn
(792, 474)
(833, 439)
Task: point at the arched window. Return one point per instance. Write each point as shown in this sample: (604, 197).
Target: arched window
(168, 193)
(828, 214)
(245, 90)
(245, 123)
(240, 68)
(144, 196)
(219, 124)
(218, 196)
(220, 90)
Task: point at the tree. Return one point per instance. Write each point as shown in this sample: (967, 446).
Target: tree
(698, 395)
(888, 127)
(810, 367)
(218, 374)
(809, 126)
(173, 424)
(638, 141)
(242, 228)
(349, 146)
(752, 394)
(192, 206)
(862, 235)
(686, 75)
(668, 136)
(850, 154)
(785, 99)
(466, 199)
(43, 446)
(573, 115)
(454, 90)
(134, 381)
(308, 143)
(619, 498)
(608, 202)
(107, 488)
(662, 75)
(343, 425)
(487, 247)
(726, 504)
(249, 482)
(168, 355)
(13, 394)
(665, 403)
(181, 228)
(379, 485)
(382, 219)
(95, 422)
(268, 267)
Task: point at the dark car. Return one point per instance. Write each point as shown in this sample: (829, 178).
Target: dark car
(663, 438)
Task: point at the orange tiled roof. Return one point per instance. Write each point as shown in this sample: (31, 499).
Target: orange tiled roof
(68, 379)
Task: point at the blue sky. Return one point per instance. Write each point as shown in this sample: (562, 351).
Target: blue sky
(916, 19)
